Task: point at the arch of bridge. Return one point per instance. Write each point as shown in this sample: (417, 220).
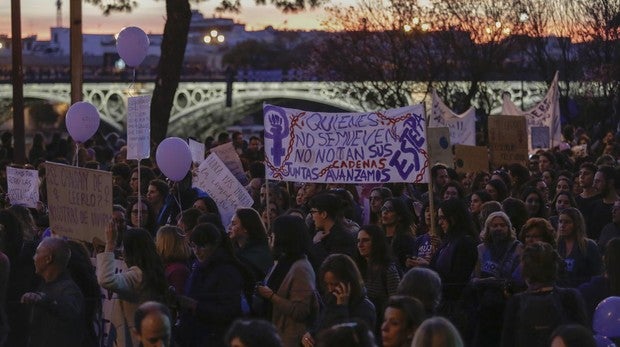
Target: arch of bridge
(111, 98)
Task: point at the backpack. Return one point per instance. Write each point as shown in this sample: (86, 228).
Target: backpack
(539, 314)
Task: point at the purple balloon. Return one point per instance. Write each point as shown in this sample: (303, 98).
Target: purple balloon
(602, 341)
(173, 158)
(82, 121)
(132, 45)
(606, 320)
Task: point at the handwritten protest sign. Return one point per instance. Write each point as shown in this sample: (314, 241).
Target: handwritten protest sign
(79, 201)
(508, 140)
(139, 127)
(216, 179)
(545, 114)
(23, 186)
(462, 126)
(439, 146)
(387, 146)
(229, 156)
(471, 158)
(197, 149)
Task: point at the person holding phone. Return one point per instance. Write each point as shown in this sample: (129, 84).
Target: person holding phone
(344, 297)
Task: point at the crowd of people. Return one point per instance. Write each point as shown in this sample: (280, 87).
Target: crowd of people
(515, 256)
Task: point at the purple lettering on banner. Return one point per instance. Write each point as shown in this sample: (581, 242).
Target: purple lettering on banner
(278, 131)
(411, 140)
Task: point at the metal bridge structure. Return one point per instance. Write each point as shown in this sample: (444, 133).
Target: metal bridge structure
(199, 107)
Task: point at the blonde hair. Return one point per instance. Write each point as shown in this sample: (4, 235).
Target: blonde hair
(171, 244)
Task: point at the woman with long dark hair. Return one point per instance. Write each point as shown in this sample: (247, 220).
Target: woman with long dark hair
(143, 280)
(456, 257)
(142, 215)
(581, 255)
(290, 287)
(398, 224)
(378, 268)
(344, 296)
(249, 238)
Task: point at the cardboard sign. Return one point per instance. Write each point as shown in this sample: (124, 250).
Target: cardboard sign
(540, 137)
(79, 201)
(375, 147)
(216, 179)
(23, 186)
(229, 156)
(139, 127)
(198, 151)
(471, 158)
(439, 146)
(508, 140)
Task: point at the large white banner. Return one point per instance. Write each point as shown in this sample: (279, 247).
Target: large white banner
(23, 186)
(544, 116)
(462, 126)
(218, 181)
(374, 147)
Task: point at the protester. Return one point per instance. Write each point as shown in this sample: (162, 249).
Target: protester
(398, 225)
(153, 325)
(402, 317)
(216, 292)
(173, 248)
(423, 284)
(252, 333)
(290, 289)
(531, 317)
(329, 236)
(378, 195)
(456, 257)
(498, 259)
(249, 239)
(378, 268)
(608, 284)
(158, 194)
(346, 335)
(611, 230)
(437, 332)
(143, 280)
(580, 254)
(343, 296)
(58, 305)
(141, 215)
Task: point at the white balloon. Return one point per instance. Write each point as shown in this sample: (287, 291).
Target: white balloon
(132, 45)
(173, 158)
(82, 121)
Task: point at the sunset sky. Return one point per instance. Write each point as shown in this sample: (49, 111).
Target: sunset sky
(39, 15)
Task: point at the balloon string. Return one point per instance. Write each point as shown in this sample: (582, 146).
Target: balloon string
(139, 191)
(133, 82)
(77, 154)
(178, 198)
